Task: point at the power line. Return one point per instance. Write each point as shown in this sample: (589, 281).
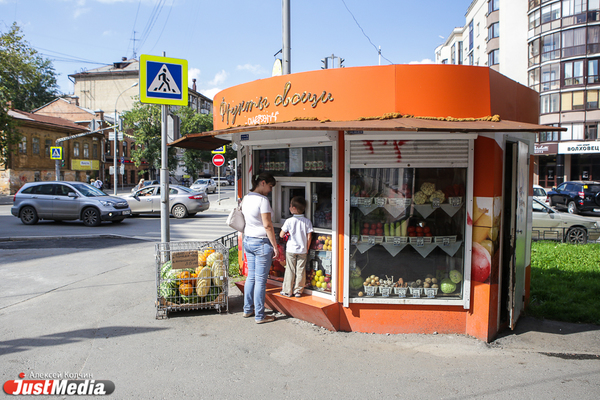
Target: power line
(363, 31)
(151, 21)
(163, 28)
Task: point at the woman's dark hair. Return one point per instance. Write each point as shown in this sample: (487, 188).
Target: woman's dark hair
(263, 176)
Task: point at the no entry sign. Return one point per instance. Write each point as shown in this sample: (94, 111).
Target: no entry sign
(218, 160)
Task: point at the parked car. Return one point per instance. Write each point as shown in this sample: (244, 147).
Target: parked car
(60, 200)
(222, 181)
(540, 194)
(183, 202)
(551, 225)
(576, 196)
(204, 185)
(231, 179)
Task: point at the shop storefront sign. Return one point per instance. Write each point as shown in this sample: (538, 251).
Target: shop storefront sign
(85, 165)
(579, 147)
(546, 148)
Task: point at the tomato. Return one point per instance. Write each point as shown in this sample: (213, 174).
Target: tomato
(427, 229)
(372, 232)
(365, 231)
(410, 229)
(428, 234)
(420, 234)
(379, 225)
(366, 225)
(412, 234)
(418, 229)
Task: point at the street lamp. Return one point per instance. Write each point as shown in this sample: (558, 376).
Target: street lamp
(115, 172)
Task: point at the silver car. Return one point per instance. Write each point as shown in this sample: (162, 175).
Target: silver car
(549, 224)
(204, 185)
(183, 202)
(62, 200)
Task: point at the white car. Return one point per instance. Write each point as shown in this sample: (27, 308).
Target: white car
(549, 224)
(205, 185)
(540, 194)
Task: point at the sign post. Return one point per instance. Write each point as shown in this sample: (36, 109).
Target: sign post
(56, 155)
(218, 161)
(163, 81)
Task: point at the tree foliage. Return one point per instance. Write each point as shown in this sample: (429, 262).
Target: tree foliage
(27, 80)
(192, 122)
(144, 123)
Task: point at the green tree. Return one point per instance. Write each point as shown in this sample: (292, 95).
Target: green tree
(26, 78)
(144, 123)
(192, 122)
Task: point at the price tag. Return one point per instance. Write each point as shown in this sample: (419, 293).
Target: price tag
(455, 201)
(385, 291)
(327, 266)
(380, 201)
(370, 290)
(396, 241)
(446, 241)
(353, 201)
(371, 240)
(416, 293)
(420, 241)
(354, 239)
(435, 203)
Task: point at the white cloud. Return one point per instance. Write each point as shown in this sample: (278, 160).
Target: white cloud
(424, 61)
(220, 77)
(193, 73)
(210, 93)
(80, 11)
(255, 69)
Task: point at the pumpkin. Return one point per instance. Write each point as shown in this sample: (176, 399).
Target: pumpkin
(185, 277)
(218, 273)
(185, 289)
(201, 260)
(203, 282)
(212, 258)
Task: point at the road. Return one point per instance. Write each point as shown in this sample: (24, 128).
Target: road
(205, 226)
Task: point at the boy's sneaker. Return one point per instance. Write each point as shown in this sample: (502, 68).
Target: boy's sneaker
(284, 294)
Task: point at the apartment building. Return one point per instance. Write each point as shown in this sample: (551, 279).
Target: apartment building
(552, 46)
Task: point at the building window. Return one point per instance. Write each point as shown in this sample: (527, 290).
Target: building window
(534, 19)
(593, 39)
(124, 149)
(94, 150)
(453, 54)
(573, 42)
(86, 150)
(572, 101)
(47, 146)
(573, 132)
(592, 71)
(573, 7)
(591, 132)
(133, 180)
(534, 79)
(592, 100)
(493, 6)
(35, 146)
(23, 145)
(460, 52)
(534, 52)
(471, 36)
(107, 147)
(76, 149)
(551, 46)
(550, 77)
(573, 73)
(549, 103)
(494, 30)
(551, 136)
(550, 13)
(493, 57)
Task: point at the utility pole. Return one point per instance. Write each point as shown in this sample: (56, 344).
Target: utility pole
(165, 229)
(286, 50)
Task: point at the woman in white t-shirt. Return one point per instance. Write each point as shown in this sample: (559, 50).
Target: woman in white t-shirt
(259, 245)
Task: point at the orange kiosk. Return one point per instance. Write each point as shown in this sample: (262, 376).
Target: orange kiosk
(418, 183)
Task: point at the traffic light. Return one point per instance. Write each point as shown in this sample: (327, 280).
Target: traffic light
(62, 163)
(342, 62)
(324, 61)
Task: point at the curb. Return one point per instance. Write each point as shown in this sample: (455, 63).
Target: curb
(102, 236)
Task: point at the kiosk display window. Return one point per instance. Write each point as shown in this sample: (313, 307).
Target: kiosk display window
(296, 162)
(407, 229)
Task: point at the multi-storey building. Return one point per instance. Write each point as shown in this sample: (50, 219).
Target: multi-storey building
(552, 46)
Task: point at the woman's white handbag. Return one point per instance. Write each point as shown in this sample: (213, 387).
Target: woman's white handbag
(236, 219)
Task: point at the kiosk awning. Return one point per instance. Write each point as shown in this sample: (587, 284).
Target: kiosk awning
(210, 140)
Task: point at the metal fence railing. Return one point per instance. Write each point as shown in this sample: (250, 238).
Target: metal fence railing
(230, 240)
(567, 235)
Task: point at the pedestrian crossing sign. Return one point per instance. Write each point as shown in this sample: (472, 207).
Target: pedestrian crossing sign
(163, 80)
(56, 153)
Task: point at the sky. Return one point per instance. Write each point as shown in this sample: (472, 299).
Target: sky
(230, 42)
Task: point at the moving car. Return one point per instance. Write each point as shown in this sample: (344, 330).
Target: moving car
(183, 202)
(540, 194)
(61, 200)
(222, 181)
(551, 225)
(576, 196)
(204, 185)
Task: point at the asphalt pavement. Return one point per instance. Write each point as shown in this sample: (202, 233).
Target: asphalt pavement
(87, 306)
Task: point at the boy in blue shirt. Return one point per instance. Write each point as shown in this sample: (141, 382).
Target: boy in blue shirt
(296, 253)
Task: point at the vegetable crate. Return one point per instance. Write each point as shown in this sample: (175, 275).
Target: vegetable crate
(191, 276)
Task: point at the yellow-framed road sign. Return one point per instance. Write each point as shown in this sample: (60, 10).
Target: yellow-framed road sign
(55, 153)
(163, 80)
(220, 150)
